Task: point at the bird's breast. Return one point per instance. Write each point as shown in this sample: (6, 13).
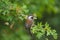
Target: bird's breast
(28, 23)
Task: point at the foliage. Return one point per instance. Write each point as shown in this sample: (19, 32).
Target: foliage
(41, 30)
(13, 14)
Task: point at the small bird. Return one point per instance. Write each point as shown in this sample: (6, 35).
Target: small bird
(29, 22)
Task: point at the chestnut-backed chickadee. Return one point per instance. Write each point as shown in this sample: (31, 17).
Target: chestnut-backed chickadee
(29, 22)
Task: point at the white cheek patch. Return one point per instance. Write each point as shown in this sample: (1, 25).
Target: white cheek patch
(30, 17)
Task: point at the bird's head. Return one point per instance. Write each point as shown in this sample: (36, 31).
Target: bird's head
(30, 17)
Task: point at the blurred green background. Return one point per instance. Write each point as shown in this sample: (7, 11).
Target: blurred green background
(13, 14)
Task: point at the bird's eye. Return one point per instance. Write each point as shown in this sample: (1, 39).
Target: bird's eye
(31, 17)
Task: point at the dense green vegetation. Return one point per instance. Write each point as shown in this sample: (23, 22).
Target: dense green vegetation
(13, 14)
